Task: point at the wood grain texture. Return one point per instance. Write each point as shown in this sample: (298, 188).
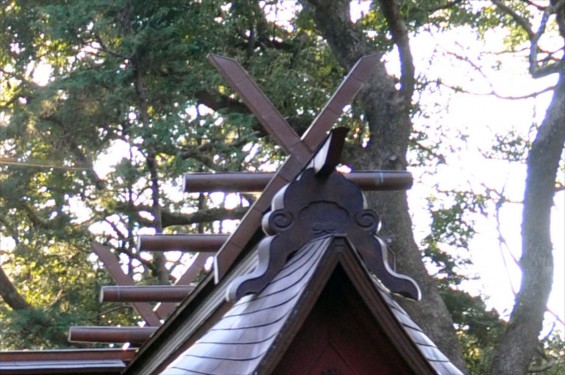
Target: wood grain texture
(317, 205)
(254, 335)
(238, 342)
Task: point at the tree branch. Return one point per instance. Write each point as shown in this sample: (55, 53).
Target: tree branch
(10, 294)
(537, 70)
(447, 5)
(545, 69)
(168, 218)
(492, 91)
(216, 101)
(497, 95)
(518, 343)
(399, 33)
(521, 21)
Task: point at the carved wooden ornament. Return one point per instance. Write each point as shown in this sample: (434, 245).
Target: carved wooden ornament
(320, 203)
(300, 149)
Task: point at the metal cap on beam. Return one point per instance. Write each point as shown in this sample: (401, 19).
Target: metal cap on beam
(381, 180)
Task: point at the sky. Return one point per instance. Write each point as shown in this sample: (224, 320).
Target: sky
(479, 118)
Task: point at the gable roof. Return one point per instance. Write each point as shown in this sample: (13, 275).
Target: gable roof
(256, 332)
(317, 225)
(208, 334)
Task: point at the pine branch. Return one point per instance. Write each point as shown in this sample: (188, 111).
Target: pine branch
(448, 5)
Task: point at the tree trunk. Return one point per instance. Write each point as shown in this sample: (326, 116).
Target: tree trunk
(387, 113)
(159, 260)
(17, 302)
(520, 339)
(10, 294)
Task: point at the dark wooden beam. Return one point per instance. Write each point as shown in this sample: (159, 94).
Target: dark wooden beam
(114, 267)
(133, 335)
(196, 243)
(197, 265)
(271, 119)
(237, 182)
(145, 293)
(227, 182)
(125, 355)
(300, 152)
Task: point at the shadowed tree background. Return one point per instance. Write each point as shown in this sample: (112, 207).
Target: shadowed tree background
(105, 104)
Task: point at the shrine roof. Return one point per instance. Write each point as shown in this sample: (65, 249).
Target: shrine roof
(250, 336)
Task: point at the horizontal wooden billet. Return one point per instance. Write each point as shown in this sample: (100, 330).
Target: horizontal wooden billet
(114, 268)
(145, 293)
(196, 243)
(133, 335)
(231, 182)
(227, 182)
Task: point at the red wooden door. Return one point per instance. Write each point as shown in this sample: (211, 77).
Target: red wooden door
(341, 337)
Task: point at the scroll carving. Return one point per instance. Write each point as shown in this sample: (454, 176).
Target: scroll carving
(314, 206)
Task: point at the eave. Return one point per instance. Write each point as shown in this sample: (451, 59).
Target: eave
(65, 361)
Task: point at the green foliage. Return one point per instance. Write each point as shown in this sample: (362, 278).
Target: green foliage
(126, 84)
(510, 146)
(477, 327)
(452, 228)
(61, 285)
(550, 357)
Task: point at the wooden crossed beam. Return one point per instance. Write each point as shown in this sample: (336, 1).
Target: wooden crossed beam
(151, 316)
(300, 150)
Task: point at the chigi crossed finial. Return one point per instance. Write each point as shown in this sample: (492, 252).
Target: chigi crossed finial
(300, 149)
(316, 200)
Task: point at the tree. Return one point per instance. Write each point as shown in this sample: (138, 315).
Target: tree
(387, 110)
(520, 339)
(129, 80)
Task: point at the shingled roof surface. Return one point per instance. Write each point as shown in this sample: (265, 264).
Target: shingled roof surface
(244, 339)
(430, 351)
(320, 254)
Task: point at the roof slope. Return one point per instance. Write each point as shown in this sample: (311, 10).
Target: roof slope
(240, 340)
(254, 334)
